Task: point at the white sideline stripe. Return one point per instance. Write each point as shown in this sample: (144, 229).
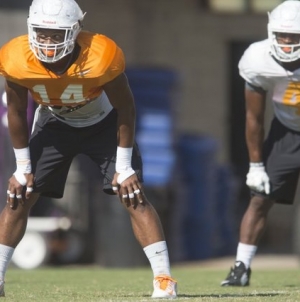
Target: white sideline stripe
(48, 224)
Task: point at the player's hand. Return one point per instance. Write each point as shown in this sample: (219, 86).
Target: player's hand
(15, 190)
(257, 179)
(130, 190)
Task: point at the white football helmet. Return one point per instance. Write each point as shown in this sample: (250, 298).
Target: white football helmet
(285, 18)
(54, 14)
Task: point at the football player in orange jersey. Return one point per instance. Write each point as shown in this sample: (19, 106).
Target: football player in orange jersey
(85, 107)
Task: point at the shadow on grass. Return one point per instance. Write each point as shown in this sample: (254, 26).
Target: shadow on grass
(231, 295)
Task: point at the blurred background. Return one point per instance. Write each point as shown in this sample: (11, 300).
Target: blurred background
(182, 58)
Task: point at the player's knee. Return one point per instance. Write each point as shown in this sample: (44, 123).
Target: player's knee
(260, 204)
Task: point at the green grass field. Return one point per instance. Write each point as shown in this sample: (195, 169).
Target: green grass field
(88, 284)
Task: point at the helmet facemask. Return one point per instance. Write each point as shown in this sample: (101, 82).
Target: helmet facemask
(52, 52)
(284, 52)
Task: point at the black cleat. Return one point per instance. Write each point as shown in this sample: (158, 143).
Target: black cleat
(238, 275)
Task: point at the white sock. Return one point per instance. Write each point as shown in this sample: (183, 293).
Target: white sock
(245, 253)
(6, 253)
(158, 256)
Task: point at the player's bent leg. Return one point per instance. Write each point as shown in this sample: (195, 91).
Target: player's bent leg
(13, 223)
(149, 233)
(252, 227)
(146, 224)
(255, 219)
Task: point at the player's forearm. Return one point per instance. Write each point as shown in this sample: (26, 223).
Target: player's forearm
(254, 140)
(124, 151)
(17, 114)
(18, 129)
(126, 127)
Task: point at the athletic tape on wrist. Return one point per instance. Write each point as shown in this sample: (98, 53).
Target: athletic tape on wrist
(260, 164)
(123, 164)
(22, 153)
(124, 175)
(23, 160)
(123, 160)
(20, 177)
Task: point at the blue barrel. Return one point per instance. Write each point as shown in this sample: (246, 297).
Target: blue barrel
(226, 202)
(156, 77)
(152, 89)
(198, 164)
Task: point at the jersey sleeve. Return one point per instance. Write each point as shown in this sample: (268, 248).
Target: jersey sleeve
(116, 65)
(12, 56)
(3, 60)
(110, 61)
(251, 67)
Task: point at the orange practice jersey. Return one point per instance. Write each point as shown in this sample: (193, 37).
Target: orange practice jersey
(100, 60)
